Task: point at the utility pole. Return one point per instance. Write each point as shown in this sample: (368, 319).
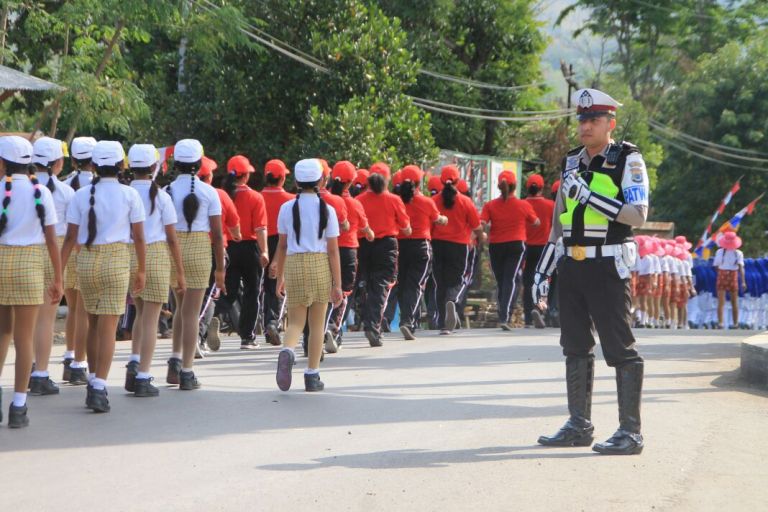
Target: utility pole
(572, 85)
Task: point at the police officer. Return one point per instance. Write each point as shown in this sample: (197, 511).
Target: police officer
(603, 195)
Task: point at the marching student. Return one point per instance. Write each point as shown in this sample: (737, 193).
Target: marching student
(729, 262)
(434, 185)
(248, 256)
(48, 158)
(378, 258)
(308, 271)
(343, 175)
(360, 184)
(508, 217)
(450, 244)
(198, 209)
(414, 262)
(162, 245)
(102, 218)
(536, 237)
(27, 229)
(275, 196)
(76, 328)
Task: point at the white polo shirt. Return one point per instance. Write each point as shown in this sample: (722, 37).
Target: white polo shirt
(210, 204)
(729, 259)
(62, 195)
(645, 265)
(86, 177)
(163, 215)
(117, 206)
(309, 210)
(23, 227)
(655, 264)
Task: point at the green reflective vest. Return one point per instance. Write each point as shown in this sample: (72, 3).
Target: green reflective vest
(595, 224)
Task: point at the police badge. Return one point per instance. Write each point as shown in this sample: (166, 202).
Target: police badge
(585, 100)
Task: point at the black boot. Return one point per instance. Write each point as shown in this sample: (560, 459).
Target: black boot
(577, 431)
(629, 386)
(313, 383)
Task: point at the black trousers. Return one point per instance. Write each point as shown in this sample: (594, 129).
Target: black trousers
(413, 270)
(244, 268)
(506, 258)
(430, 297)
(378, 273)
(532, 255)
(475, 253)
(450, 266)
(271, 303)
(348, 258)
(591, 291)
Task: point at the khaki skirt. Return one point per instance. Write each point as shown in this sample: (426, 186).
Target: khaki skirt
(307, 279)
(196, 258)
(22, 275)
(70, 272)
(71, 264)
(103, 274)
(157, 271)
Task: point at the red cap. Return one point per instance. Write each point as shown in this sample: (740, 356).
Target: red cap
(344, 171)
(434, 183)
(207, 166)
(462, 186)
(555, 187)
(276, 168)
(535, 179)
(449, 173)
(397, 179)
(380, 168)
(509, 176)
(239, 166)
(412, 173)
(326, 167)
(361, 178)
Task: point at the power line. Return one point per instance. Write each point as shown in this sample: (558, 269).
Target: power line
(704, 157)
(487, 117)
(486, 110)
(691, 138)
(478, 84)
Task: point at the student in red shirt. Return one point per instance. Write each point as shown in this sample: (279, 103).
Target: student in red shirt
(537, 237)
(414, 263)
(249, 256)
(343, 175)
(450, 244)
(378, 258)
(434, 185)
(507, 216)
(274, 196)
(360, 184)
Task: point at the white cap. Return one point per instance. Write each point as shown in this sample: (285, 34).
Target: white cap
(142, 155)
(308, 170)
(593, 103)
(188, 151)
(108, 152)
(47, 150)
(16, 149)
(82, 147)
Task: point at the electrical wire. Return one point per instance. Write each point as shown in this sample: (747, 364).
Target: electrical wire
(478, 84)
(489, 111)
(721, 147)
(490, 118)
(704, 157)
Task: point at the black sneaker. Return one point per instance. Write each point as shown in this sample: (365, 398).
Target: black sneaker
(407, 333)
(144, 388)
(67, 362)
(248, 345)
(330, 343)
(98, 400)
(213, 339)
(78, 376)
(538, 319)
(174, 369)
(43, 386)
(385, 326)
(131, 369)
(88, 394)
(373, 339)
(313, 383)
(272, 335)
(451, 316)
(17, 416)
(285, 361)
(188, 381)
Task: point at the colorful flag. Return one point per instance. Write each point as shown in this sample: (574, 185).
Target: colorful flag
(720, 209)
(732, 225)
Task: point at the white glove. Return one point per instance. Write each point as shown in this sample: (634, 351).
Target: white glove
(540, 289)
(576, 188)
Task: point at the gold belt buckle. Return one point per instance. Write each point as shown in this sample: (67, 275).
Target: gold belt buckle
(578, 253)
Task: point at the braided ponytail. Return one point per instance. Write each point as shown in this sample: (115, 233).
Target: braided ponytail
(38, 198)
(75, 183)
(190, 205)
(449, 193)
(6, 202)
(406, 191)
(153, 188)
(337, 187)
(297, 215)
(92, 214)
(323, 214)
(51, 181)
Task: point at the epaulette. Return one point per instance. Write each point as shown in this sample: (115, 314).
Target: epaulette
(615, 151)
(575, 151)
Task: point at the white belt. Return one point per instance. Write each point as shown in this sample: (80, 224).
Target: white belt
(579, 252)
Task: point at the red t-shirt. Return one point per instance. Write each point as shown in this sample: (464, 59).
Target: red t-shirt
(357, 221)
(274, 197)
(229, 216)
(423, 213)
(386, 213)
(508, 219)
(252, 211)
(539, 235)
(462, 219)
(338, 204)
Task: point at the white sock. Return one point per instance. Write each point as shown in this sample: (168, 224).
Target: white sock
(187, 370)
(38, 373)
(142, 375)
(69, 354)
(176, 355)
(98, 383)
(91, 378)
(19, 399)
(289, 349)
(135, 357)
(78, 364)
(311, 371)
